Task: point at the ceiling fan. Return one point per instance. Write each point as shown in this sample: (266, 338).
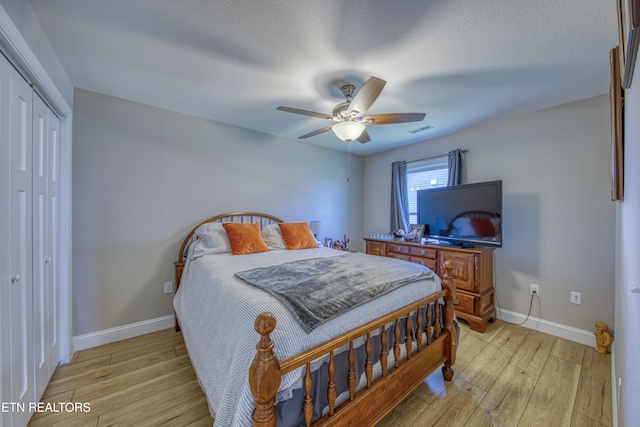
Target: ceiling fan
(350, 114)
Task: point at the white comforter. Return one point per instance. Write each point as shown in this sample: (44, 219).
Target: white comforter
(217, 312)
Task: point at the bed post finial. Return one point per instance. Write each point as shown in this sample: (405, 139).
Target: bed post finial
(449, 311)
(264, 374)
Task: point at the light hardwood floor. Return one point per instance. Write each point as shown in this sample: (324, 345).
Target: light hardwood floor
(508, 376)
(513, 376)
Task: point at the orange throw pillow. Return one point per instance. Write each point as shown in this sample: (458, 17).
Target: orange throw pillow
(245, 238)
(297, 235)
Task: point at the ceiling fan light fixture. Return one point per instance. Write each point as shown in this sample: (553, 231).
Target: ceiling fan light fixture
(348, 131)
(350, 115)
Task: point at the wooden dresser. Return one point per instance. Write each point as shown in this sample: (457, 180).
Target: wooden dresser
(472, 274)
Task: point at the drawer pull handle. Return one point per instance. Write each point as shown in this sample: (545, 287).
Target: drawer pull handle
(456, 301)
(422, 252)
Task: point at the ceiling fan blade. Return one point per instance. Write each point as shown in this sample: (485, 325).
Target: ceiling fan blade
(305, 112)
(364, 137)
(367, 95)
(316, 132)
(391, 118)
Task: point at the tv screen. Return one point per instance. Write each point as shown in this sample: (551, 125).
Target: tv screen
(463, 215)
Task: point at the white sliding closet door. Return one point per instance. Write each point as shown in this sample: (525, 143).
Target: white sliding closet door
(5, 214)
(29, 245)
(41, 258)
(52, 305)
(35, 223)
(20, 240)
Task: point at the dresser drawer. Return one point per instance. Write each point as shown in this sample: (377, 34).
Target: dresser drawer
(377, 248)
(467, 303)
(399, 256)
(398, 249)
(464, 271)
(429, 263)
(423, 252)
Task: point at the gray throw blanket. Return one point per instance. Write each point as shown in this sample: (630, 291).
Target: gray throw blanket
(317, 290)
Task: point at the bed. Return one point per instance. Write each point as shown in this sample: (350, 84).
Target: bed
(258, 365)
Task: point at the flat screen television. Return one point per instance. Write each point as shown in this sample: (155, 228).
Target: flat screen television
(462, 215)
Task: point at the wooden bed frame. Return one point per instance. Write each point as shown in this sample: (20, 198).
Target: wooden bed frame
(369, 405)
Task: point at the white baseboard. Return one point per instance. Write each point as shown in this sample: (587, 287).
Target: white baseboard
(94, 339)
(556, 329)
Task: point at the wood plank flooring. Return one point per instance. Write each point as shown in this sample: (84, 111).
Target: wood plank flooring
(142, 381)
(508, 376)
(513, 376)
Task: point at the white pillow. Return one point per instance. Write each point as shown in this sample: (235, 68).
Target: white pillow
(212, 239)
(273, 237)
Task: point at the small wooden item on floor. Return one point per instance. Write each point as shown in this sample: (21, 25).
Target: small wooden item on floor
(603, 338)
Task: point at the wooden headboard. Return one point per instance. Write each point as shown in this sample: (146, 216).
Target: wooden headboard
(240, 217)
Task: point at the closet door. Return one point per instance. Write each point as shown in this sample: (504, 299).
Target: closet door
(53, 239)
(6, 418)
(20, 255)
(29, 239)
(41, 257)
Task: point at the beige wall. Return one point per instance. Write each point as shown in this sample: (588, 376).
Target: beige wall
(144, 176)
(559, 221)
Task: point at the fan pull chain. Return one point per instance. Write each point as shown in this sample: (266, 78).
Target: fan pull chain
(349, 162)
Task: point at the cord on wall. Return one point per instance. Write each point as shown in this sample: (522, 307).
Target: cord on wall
(495, 293)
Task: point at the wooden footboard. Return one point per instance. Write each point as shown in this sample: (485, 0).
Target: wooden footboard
(369, 405)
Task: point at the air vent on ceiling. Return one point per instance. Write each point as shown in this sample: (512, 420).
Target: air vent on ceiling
(420, 129)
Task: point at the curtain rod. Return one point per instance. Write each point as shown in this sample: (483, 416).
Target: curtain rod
(433, 157)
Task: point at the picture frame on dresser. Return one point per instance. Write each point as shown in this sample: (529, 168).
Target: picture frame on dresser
(416, 231)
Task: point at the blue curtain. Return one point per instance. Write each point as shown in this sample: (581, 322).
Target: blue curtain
(457, 167)
(399, 197)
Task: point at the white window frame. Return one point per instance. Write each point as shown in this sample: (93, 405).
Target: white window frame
(434, 169)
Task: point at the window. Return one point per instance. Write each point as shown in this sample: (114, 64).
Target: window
(430, 173)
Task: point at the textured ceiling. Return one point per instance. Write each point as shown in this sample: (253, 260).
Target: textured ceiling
(462, 62)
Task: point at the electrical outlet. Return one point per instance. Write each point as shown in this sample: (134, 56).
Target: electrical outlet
(534, 289)
(576, 298)
(168, 287)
